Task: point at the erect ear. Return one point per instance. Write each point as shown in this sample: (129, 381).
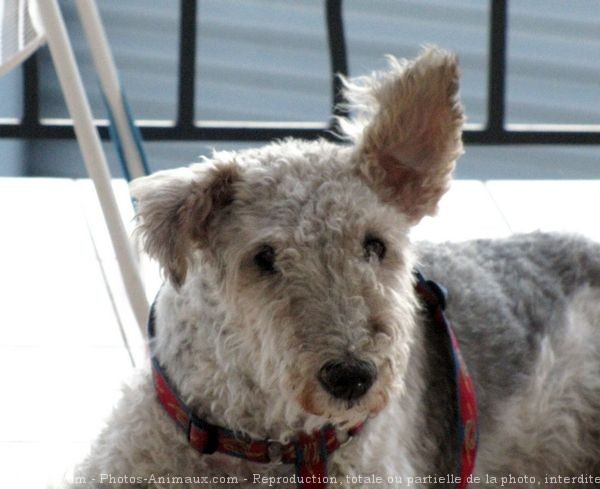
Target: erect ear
(408, 130)
(176, 208)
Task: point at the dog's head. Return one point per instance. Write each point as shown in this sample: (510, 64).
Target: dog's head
(306, 243)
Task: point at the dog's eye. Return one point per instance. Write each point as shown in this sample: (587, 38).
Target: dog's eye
(265, 259)
(374, 247)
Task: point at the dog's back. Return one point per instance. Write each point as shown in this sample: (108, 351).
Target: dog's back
(527, 313)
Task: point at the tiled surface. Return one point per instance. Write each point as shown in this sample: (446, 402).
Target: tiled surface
(62, 353)
(465, 212)
(566, 206)
(62, 356)
(50, 274)
(38, 465)
(58, 393)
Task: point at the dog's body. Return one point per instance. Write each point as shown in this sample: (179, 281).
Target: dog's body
(287, 262)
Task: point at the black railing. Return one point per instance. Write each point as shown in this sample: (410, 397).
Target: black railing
(494, 132)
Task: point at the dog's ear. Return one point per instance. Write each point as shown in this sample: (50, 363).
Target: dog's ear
(407, 129)
(175, 210)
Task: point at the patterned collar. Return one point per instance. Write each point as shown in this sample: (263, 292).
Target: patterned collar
(434, 297)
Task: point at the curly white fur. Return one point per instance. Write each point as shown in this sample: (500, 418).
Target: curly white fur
(244, 346)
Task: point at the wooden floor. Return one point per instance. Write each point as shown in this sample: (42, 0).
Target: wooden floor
(64, 315)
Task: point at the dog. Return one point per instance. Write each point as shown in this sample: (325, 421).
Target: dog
(295, 344)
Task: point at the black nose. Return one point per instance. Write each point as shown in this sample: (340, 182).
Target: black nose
(347, 379)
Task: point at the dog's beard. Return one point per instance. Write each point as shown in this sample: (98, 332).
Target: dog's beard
(291, 381)
(313, 400)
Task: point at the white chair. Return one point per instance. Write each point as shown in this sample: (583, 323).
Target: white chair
(26, 25)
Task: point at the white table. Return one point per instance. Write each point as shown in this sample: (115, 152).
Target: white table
(64, 314)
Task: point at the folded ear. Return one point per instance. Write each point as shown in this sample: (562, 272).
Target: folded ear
(175, 210)
(407, 130)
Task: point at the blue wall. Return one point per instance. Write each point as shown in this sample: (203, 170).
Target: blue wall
(12, 160)
(267, 60)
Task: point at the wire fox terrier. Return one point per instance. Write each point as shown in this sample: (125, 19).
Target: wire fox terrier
(294, 345)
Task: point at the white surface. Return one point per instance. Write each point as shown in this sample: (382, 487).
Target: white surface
(566, 206)
(63, 393)
(34, 465)
(51, 282)
(62, 355)
(465, 212)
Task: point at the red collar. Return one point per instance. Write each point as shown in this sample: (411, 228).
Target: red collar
(434, 296)
(310, 452)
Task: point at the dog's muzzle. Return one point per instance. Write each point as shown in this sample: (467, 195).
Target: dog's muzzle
(348, 379)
